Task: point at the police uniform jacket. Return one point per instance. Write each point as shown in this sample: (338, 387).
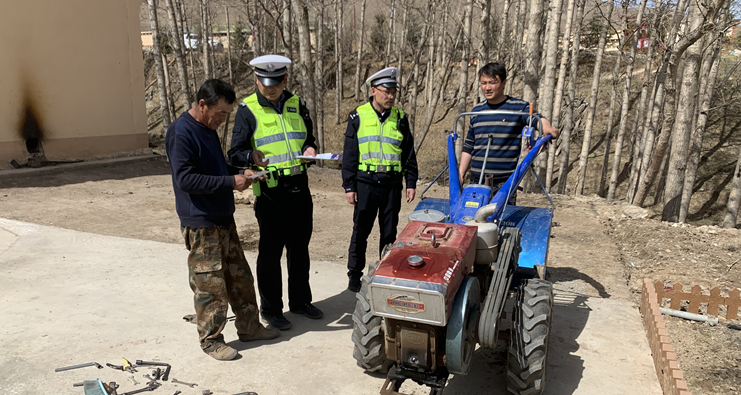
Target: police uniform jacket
(351, 175)
(245, 124)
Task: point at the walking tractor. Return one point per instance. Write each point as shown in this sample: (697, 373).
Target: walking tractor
(442, 286)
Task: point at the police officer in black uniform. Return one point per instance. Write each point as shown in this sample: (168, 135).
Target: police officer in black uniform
(378, 155)
(271, 128)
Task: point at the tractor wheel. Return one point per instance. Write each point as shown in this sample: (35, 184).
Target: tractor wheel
(368, 334)
(528, 348)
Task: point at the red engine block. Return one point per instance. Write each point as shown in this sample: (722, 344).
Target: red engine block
(416, 280)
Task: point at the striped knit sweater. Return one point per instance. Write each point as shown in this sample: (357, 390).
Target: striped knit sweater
(505, 146)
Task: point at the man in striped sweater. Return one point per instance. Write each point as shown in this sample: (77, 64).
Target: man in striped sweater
(504, 129)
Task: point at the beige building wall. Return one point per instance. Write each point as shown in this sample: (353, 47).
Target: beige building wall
(77, 66)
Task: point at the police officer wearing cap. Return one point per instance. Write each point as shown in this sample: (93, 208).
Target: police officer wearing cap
(271, 128)
(378, 155)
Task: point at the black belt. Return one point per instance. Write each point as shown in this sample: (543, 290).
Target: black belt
(380, 168)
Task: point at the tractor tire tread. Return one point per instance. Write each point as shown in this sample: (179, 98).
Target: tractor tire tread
(368, 335)
(531, 321)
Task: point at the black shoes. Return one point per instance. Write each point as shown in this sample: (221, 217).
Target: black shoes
(354, 283)
(277, 321)
(308, 310)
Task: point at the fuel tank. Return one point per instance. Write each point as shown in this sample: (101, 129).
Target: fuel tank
(418, 278)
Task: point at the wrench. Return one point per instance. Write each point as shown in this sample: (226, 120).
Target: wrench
(176, 381)
(79, 366)
(150, 387)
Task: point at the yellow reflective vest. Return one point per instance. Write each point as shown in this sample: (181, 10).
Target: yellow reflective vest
(379, 143)
(279, 136)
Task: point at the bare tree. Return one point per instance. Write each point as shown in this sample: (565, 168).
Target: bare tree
(586, 142)
(287, 36)
(338, 58)
(568, 124)
(178, 47)
(683, 125)
(307, 70)
(532, 56)
(361, 31)
(665, 79)
(205, 40)
(708, 75)
(229, 43)
(463, 79)
(629, 63)
(161, 86)
(545, 103)
(414, 88)
(402, 51)
(483, 47)
(319, 78)
(734, 198)
(392, 33)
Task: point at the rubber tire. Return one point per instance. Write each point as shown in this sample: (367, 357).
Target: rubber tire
(368, 334)
(528, 349)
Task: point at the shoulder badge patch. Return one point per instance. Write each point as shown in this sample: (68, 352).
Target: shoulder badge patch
(291, 109)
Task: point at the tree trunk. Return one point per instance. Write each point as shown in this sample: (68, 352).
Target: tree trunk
(734, 198)
(546, 98)
(338, 60)
(321, 86)
(442, 77)
(229, 44)
(168, 87)
(178, 44)
(483, 46)
(161, 87)
(463, 80)
(205, 40)
(361, 31)
(586, 143)
(307, 72)
(630, 62)
(707, 83)
(287, 37)
(414, 88)
(683, 126)
(565, 43)
(402, 52)
(639, 133)
(187, 31)
(665, 83)
(610, 118)
(563, 166)
(533, 49)
(391, 38)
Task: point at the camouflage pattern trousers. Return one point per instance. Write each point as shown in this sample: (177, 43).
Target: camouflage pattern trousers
(219, 275)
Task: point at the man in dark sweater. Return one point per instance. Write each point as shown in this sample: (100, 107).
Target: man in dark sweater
(505, 130)
(203, 183)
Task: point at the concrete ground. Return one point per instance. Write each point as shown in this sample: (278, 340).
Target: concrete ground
(69, 297)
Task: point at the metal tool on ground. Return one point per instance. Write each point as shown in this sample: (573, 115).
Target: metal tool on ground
(128, 366)
(247, 393)
(177, 392)
(151, 387)
(734, 326)
(207, 392)
(82, 365)
(133, 380)
(157, 373)
(167, 366)
(176, 381)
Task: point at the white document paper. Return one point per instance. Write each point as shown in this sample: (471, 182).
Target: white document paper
(258, 174)
(321, 157)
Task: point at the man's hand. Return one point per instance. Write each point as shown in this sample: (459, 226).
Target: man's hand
(410, 194)
(258, 158)
(241, 182)
(249, 172)
(549, 129)
(310, 151)
(352, 197)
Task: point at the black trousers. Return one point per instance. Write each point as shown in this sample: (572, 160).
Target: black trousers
(285, 219)
(373, 199)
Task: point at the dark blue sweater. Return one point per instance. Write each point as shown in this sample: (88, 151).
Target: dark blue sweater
(202, 180)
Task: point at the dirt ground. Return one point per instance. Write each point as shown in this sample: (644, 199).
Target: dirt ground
(598, 249)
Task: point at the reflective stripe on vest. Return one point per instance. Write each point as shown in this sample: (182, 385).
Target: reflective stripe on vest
(279, 136)
(379, 143)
